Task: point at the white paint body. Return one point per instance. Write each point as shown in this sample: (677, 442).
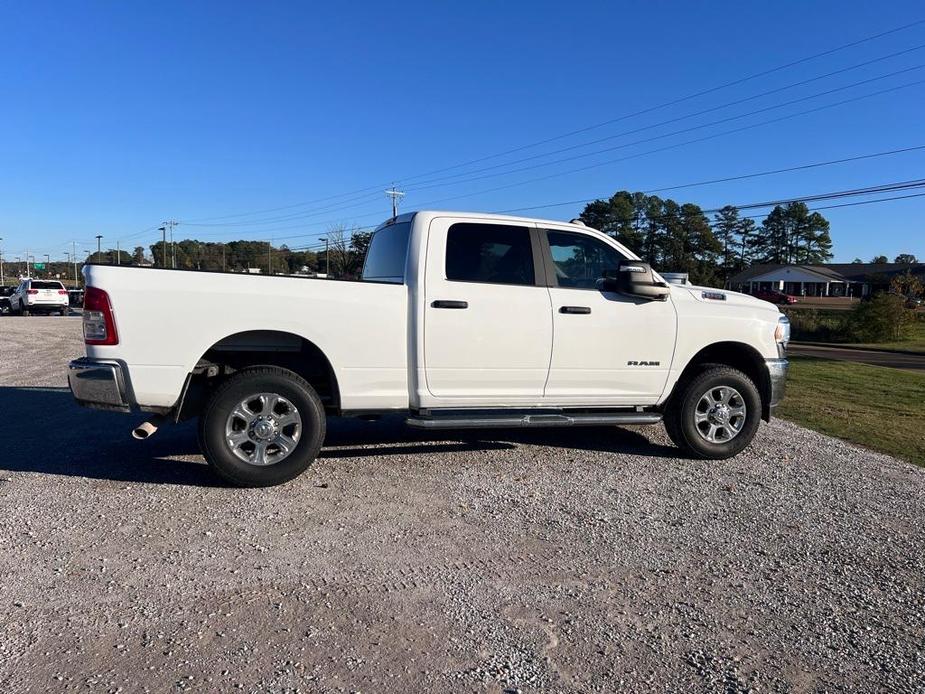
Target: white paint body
(390, 349)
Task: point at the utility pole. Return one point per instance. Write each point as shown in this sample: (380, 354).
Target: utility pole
(118, 254)
(47, 265)
(98, 238)
(223, 257)
(269, 258)
(396, 195)
(173, 248)
(327, 257)
(74, 258)
(28, 270)
(163, 231)
(1, 263)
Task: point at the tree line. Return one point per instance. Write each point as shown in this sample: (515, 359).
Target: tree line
(343, 258)
(679, 237)
(672, 236)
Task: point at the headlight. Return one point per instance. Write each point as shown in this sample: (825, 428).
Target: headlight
(782, 331)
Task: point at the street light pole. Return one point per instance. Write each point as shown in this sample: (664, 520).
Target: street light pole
(47, 264)
(1, 264)
(98, 238)
(327, 257)
(269, 258)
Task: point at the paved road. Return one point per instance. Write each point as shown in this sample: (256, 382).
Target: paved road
(915, 362)
(590, 560)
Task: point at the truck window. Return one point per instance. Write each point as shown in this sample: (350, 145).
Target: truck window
(388, 251)
(580, 260)
(491, 253)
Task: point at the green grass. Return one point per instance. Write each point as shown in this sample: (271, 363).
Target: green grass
(823, 324)
(877, 407)
(914, 343)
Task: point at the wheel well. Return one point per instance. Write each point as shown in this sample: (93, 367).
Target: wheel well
(739, 356)
(261, 348)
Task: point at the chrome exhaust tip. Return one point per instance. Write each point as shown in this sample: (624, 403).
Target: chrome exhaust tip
(148, 429)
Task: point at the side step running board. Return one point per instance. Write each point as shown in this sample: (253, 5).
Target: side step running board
(508, 421)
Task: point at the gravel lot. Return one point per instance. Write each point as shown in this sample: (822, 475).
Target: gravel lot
(582, 560)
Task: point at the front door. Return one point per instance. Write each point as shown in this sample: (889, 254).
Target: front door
(487, 318)
(608, 349)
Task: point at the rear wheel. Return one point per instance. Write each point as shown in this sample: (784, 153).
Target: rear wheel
(261, 427)
(24, 310)
(716, 413)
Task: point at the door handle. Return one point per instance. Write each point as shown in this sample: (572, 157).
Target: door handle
(446, 303)
(579, 310)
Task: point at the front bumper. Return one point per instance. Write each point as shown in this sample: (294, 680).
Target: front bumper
(98, 384)
(777, 377)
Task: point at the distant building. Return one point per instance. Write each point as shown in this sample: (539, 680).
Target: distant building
(831, 279)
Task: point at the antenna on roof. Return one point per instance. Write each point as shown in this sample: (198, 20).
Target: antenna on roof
(396, 195)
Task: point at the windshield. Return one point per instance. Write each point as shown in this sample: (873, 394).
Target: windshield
(388, 250)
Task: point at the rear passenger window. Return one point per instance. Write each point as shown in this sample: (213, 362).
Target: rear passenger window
(492, 253)
(46, 285)
(388, 250)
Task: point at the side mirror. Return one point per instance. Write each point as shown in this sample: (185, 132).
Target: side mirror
(634, 278)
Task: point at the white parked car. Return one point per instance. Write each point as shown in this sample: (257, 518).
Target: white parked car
(459, 320)
(39, 296)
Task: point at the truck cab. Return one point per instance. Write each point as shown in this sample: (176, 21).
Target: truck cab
(459, 320)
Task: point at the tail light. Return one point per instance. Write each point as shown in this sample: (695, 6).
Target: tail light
(32, 291)
(62, 292)
(99, 326)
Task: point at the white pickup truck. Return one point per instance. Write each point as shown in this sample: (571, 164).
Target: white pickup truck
(459, 320)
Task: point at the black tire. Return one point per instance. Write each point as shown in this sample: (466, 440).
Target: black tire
(250, 382)
(680, 417)
(23, 311)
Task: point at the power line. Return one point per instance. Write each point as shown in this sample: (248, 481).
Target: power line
(740, 177)
(650, 109)
(702, 112)
(659, 149)
(679, 186)
(675, 145)
(437, 183)
(674, 132)
(682, 99)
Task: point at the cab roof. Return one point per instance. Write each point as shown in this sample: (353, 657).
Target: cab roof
(430, 214)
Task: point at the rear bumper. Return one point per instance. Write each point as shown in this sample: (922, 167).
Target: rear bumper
(98, 384)
(777, 377)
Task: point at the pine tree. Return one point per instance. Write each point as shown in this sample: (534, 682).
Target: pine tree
(726, 227)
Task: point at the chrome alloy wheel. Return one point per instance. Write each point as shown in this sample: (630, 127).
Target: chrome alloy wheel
(263, 429)
(720, 414)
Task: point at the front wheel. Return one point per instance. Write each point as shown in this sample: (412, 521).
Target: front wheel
(716, 414)
(261, 427)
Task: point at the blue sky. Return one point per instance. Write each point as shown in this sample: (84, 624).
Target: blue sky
(119, 115)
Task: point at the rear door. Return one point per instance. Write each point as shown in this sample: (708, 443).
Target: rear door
(487, 317)
(608, 348)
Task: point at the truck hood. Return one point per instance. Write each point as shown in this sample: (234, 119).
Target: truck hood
(724, 297)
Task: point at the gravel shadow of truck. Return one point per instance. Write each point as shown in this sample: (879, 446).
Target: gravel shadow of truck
(52, 435)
